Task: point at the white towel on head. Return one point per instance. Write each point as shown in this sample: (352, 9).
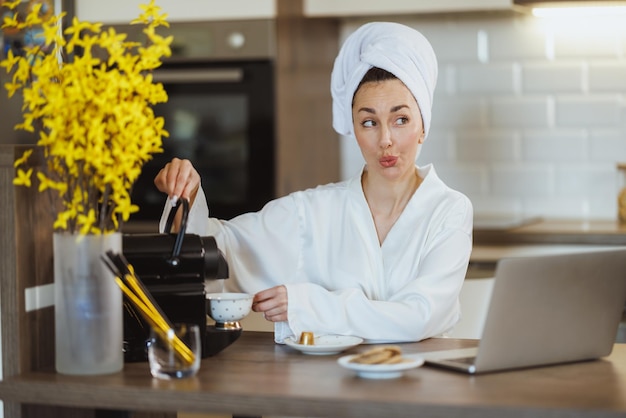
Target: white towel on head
(399, 49)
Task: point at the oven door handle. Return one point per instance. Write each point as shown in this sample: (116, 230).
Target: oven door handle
(191, 76)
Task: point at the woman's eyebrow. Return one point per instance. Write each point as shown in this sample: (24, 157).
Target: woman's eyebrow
(392, 110)
(396, 108)
(368, 110)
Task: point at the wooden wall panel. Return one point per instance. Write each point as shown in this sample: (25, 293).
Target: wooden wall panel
(26, 253)
(308, 147)
(9, 305)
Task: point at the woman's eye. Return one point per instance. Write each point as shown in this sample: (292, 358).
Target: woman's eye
(368, 123)
(402, 121)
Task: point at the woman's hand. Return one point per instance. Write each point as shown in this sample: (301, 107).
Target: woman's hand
(272, 302)
(178, 179)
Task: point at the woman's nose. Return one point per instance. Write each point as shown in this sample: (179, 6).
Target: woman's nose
(385, 137)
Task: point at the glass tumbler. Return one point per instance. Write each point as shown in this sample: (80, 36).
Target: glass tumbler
(175, 354)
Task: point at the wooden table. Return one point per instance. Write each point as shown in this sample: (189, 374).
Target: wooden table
(254, 376)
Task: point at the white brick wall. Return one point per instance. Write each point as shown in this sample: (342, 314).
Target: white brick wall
(529, 116)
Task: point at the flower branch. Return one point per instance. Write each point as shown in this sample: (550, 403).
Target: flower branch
(94, 117)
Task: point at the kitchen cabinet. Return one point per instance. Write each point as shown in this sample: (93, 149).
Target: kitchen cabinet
(346, 8)
(123, 11)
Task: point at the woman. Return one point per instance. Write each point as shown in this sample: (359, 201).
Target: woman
(381, 256)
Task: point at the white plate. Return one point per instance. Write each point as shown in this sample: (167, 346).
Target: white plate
(381, 371)
(325, 344)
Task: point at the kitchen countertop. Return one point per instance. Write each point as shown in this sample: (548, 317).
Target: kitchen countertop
(484, 257)
(537, 231)
(497, 238)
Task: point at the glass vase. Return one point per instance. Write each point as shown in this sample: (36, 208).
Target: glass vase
(88, 305)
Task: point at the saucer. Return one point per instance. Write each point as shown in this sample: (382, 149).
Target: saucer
(325, 344)
(380, 371)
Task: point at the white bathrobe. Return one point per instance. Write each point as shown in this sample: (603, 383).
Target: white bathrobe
(322, 245)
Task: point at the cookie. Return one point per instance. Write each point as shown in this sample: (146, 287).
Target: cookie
(386, 354)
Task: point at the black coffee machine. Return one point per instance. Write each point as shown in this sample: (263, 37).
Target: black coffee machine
(173, 268)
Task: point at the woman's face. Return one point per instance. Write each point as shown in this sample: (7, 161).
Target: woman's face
(388, 128)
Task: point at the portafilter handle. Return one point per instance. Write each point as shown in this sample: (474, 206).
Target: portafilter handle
(178, 243)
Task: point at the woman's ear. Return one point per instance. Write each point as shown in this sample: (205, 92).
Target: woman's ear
(420, 140)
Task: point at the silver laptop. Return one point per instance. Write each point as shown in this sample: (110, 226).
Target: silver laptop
(547, 310)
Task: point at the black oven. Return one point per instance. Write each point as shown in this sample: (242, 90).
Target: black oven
(219, 114)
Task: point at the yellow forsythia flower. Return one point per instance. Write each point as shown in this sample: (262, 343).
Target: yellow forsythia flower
(22, 177)
(93, 112)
